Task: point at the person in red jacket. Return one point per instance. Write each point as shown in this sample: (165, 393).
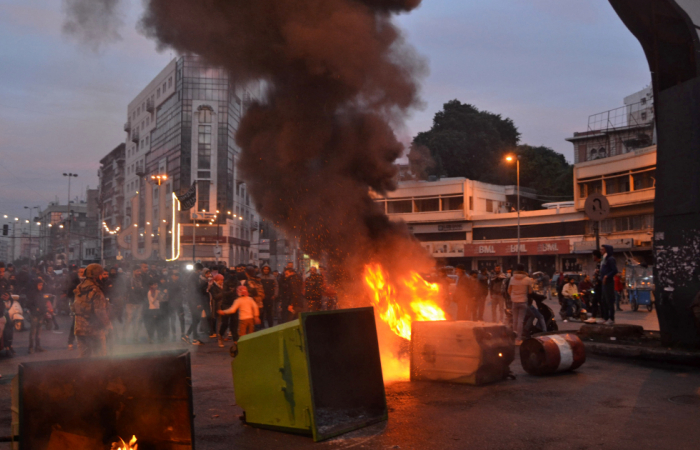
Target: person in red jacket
(619, 287)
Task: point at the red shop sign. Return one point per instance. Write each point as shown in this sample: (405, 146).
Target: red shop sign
(559, 247)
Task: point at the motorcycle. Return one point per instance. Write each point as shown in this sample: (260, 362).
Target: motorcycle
(579, 311)
(547, 313)
(15, 312)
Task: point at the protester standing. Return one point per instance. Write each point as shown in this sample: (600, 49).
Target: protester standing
(36, 305)
(313, 290)
(519, 289)
(608, 270)
(496, 279)
(271, 289)
(91, 315)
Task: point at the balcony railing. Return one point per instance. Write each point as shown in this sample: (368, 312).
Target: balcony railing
(150, 105)
(135, 136)
(127, 126)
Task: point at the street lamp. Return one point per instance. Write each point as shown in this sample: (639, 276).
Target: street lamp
(510, 158)
(159, 178)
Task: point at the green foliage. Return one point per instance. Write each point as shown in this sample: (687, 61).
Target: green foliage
(467, 142)
(547, 171)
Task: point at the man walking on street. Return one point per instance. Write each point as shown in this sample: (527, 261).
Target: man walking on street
(608, 270)
(91, 315)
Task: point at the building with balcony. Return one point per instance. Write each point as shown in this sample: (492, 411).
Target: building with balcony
(617, 131)
(111, 199)
(461, 221)
(628, 182)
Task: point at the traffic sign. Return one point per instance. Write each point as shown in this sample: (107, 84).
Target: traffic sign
(597, 206)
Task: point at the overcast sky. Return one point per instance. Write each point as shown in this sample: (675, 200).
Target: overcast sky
(546, 64)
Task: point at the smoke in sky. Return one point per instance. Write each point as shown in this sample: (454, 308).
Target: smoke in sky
(340, 79)
(94, 23)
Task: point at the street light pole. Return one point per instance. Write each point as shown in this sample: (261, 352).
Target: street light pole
(70, 214)
(510, 158)
(517, 166)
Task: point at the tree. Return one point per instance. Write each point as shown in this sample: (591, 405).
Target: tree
(546, 171)
(466, 142)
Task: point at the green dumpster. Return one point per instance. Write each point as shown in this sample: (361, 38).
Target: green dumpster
(319, 375)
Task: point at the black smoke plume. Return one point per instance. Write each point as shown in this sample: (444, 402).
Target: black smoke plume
(340, 77)
(93, 23)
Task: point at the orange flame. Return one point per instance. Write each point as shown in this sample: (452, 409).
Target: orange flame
(132, 445)
(422, 298)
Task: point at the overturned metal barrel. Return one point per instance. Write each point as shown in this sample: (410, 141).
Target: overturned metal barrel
(460, 352)
(545, 355)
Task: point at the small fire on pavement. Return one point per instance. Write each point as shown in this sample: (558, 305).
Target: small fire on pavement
(413, 299)
(132, 445)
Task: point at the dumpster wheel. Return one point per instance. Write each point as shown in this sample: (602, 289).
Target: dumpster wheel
(233, 350)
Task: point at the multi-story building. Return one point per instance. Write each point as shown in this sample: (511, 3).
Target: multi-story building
(617, 131)
(69, 233)
(5, 250)
(461, 221)
(182, 125)
(628, 182)
(111, 198)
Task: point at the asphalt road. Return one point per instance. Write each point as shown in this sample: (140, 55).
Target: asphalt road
(606, 404)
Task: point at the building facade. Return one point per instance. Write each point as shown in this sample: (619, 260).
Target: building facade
(617, 131)
(182, 126)
(111, 199)
(629, 183)
(461, 221)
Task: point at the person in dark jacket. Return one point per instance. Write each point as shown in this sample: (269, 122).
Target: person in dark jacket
(290, 295)
(173, 290)
(271, 288)
(313, 290)
(229, 321)
(462, 293)
(608, 270)
(36, 305)
(198, 299)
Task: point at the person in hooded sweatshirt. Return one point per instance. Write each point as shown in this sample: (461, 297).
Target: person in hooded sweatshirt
(519, 288)
(608, 270)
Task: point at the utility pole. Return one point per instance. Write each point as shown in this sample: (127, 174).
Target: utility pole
(70, 217)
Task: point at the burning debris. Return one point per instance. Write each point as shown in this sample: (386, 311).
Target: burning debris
(423, 298)
(132, 445)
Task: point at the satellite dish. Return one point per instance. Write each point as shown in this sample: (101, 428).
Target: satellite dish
(597, 207)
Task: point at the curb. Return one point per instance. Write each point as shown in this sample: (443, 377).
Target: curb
(636, 352)
(643, 353)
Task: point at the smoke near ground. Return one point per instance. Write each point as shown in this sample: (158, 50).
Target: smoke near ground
(340, 78)
(94, 23)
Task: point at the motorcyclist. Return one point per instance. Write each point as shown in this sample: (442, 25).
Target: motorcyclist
(572, 302)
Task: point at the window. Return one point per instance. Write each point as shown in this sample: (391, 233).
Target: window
(164, 88)
(399, 206)
(170, 82)
(489, 205)
(428, 205)
(203, 195)
(644, 180)
(205, 115)
(471, 203)
(158, 93)
(590, 187)
(644, 116)
(601, 152)
(617, 185)
(453, 203)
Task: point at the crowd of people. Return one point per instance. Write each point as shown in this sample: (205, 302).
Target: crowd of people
(515, 302)
(159, 304)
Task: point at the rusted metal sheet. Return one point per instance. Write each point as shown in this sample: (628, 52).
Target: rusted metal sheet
(102, 399)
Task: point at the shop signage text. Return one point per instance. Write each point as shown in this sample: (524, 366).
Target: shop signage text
(559, 247)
